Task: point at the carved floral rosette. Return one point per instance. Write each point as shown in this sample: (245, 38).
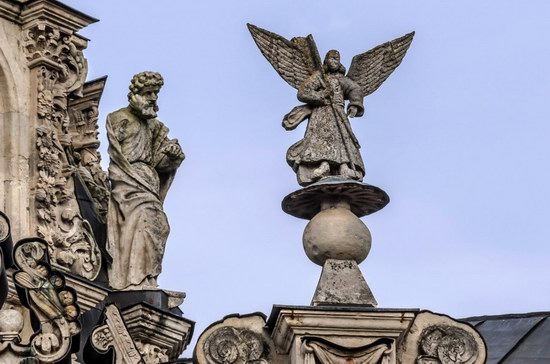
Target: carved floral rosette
(235, 339)
(61, 69)
(52, 304)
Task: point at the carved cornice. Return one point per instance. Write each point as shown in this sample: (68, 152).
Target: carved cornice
(165, 331)
(359, 325)
(56, 13)
(10, 10)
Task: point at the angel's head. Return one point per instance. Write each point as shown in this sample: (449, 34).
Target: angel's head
(332, 62)
(143, 94)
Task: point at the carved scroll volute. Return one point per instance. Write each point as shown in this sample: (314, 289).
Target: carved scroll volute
(114, 334)
(438, 339)
(58, 64)
(53, 304)
(235, 340)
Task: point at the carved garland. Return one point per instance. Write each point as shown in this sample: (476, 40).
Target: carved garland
(61, 71)
(53, 304)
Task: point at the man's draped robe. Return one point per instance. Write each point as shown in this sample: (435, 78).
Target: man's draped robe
(140, 175)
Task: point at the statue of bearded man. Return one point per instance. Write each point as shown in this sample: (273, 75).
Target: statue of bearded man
(143, 163)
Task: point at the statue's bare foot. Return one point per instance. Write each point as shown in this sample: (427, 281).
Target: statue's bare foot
(322, 171)
(347, 172)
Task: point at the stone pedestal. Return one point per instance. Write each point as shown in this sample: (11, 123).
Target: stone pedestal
(349, 330)
(335, 237)
(350, 334)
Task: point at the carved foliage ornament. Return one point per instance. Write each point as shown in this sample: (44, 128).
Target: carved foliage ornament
(61, 71)
(53, 304)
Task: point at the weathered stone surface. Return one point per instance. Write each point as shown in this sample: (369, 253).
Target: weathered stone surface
(83, 127)
(336, 233)
(342, 283)
(329, 147)
(53, 305)
(337, 332)
(439, 339)
(143, 165)
(236, 340)
(53, 51)
(114, 334)
(158, 334)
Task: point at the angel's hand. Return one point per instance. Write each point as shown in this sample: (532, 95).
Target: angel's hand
(352, 111)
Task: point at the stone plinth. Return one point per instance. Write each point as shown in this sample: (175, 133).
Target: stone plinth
(158, 334)
(345, 328)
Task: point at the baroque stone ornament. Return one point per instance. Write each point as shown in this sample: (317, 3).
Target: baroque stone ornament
(143, 165)
(438, 339)
(236, 339)
(321, 351)
(53, 305)
(329, 147)
(84, 115)
(56, 58)
(114, 334)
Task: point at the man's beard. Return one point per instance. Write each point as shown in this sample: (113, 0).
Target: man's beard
(143, 108)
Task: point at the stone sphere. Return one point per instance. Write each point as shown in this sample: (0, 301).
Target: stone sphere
(11, 321)
(336, 233)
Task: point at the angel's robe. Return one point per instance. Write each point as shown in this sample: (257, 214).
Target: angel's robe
(140, 175)
(328, 135)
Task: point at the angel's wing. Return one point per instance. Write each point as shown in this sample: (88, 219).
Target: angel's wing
(294, 60)
(372, 68)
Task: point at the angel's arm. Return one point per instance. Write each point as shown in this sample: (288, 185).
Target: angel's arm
(313, 92)
(353, 93)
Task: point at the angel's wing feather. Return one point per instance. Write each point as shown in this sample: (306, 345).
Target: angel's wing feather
(293, 60)
(372, 68)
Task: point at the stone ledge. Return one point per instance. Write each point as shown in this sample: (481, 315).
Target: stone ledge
(160, 328)
(340, 324)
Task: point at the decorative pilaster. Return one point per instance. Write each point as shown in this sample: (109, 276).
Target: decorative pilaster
(83, 127)
(58, 70)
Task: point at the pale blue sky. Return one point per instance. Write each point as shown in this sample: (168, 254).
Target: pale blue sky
(458, 137)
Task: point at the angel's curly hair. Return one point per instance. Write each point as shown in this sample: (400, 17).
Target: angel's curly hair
(145, 79)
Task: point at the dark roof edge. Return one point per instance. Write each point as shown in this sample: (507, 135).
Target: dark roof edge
(506, 316)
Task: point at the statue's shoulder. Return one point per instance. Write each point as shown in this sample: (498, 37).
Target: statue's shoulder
(117, 117)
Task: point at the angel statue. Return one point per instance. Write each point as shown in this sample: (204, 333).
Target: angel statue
(329, 147)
